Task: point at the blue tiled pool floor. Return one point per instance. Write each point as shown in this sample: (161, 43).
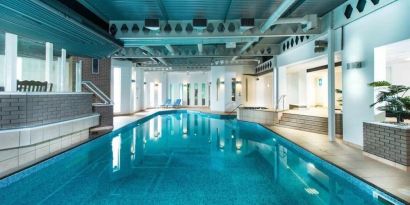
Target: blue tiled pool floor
(187, 158)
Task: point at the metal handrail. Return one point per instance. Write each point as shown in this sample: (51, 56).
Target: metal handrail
(281, 98)
(236, 108)
(99, 93)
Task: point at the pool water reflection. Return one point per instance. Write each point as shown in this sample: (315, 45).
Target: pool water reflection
(186, 158)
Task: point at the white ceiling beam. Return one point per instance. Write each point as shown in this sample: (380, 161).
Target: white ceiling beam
(283, 7)
(152, 53)
(170, 49)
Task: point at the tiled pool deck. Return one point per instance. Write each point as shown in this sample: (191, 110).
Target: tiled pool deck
(390, 179)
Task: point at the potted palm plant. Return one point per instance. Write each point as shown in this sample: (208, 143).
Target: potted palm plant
(389, 140)
(392, 99)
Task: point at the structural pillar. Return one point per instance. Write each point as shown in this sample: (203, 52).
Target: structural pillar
(10, 77)
(49, 61)
(276, 87)
(331, 85)
(78, 76)
(62, 72)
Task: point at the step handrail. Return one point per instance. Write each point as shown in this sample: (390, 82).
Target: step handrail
(236, 108)
(99, 93)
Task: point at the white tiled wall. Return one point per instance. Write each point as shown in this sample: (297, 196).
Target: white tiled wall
(22, 147)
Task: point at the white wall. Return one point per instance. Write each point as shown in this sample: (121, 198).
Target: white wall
(361, 37)
(126, 104)
(225, 74)
(176, 79)
(155, 96)
(399, 73)
(264, 92)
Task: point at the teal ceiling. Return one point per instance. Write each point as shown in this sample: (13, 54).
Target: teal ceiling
(37, 21)
(190, 9)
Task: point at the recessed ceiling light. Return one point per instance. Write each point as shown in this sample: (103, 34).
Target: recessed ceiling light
(407, 59)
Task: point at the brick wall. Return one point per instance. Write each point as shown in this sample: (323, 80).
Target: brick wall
(32, 109)
(389, 142)
(106, 114)
(103, 79)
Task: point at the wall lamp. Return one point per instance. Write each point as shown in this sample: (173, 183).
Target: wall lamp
(354, 65)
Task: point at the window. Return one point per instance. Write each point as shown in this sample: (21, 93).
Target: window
(203, 93)
(188, 96)
(196, 93)
(95, 66)
(233, 89)
(217, 88)
(246, 89)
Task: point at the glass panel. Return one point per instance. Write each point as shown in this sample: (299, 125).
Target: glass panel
(95, 66)
(196, 93)
(233, 89)
(2, 71)
(55, 69)
(30, 60)
(203, 93)
(218, 82)
(171, 94)
(188, 96)
(246, 89)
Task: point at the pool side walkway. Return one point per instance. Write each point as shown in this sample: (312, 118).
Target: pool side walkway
(349, 158)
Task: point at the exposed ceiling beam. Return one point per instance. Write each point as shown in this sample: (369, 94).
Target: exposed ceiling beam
(136, 42)
(152, 53)
(283, 7)
(170, 49)
(244, 48)
(94, 10)
(163, 10)
(227, 10)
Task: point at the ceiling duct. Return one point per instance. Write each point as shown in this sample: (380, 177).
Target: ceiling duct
(200, 24)
(152, 24)
(247, 23)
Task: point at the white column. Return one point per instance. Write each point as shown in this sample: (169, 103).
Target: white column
(10, 77)
(49, 61)
(331, 85)
(62, 72)
(275, 83)
(78, 76)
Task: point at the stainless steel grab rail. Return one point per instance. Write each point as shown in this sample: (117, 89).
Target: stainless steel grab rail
(99, 93)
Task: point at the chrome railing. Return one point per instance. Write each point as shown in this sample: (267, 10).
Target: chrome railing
(236, 108)
(99, 93)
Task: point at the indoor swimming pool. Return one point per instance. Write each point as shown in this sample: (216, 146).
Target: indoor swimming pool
(183, 157)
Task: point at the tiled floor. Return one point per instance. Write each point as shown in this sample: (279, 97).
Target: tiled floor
(351, 159)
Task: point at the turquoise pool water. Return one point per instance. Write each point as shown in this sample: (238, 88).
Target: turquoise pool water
(186, 158)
